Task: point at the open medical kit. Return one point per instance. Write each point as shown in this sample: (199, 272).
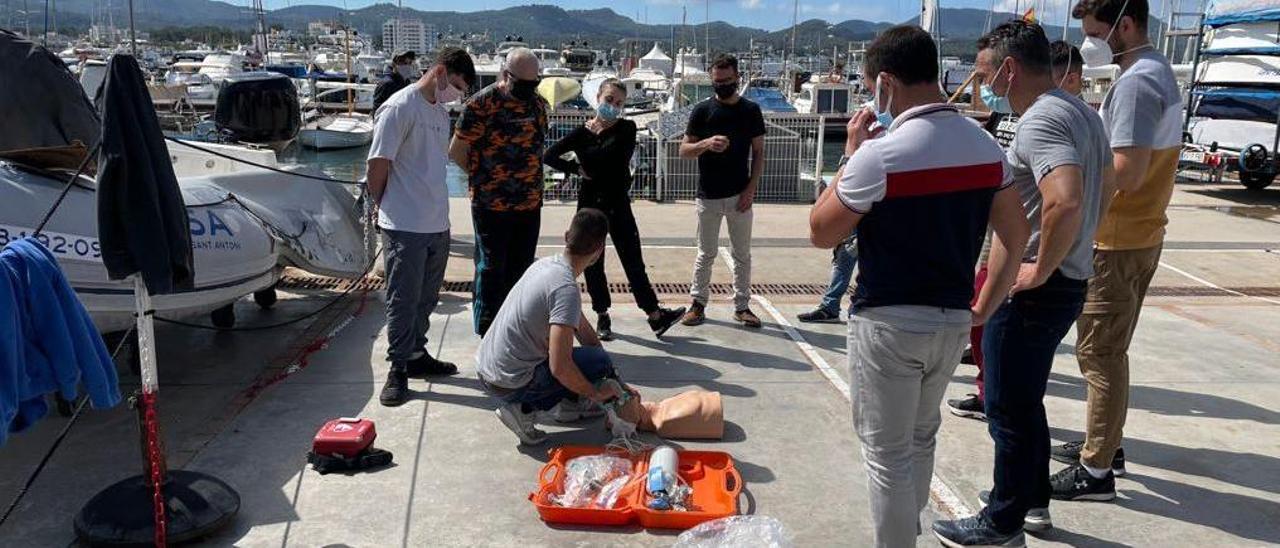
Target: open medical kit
(659, 489)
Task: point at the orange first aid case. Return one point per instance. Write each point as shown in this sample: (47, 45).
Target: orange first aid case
(715, 481)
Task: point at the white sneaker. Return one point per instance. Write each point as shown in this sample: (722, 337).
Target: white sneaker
(1037, 520)
(572, 411)
(522, 424)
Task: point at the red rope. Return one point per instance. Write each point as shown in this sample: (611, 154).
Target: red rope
(303, 357)
(155, 461)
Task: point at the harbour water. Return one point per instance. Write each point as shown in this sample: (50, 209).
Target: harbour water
(349, 164)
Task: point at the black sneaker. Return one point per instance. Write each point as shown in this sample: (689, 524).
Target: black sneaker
(1069, 453)
(967, 357)
(975, 531)
(604, 327)
(819, 315)
(969, 407)
(396, 391)
(1037, 520)
(667, 317)
(1076, 483)
(425, 365)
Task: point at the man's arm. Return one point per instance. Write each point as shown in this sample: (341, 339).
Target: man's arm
(1009, 221)
(567, 372)
(830, 221)
(376, 177)
(748, 194)
(460, 152)
(692, 147)
(1108, 189)
(1061, 213)
(1131, 167)
(587, 335)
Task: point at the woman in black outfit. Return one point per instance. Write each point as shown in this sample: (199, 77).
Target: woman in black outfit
(603, 148)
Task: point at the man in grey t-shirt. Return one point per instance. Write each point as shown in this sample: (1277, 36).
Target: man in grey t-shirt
(1061, 160)
(527, 358)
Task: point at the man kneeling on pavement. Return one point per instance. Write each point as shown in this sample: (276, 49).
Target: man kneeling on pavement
(527, 358)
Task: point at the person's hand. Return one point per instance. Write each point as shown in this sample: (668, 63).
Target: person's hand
(593, 126)
(1029, 277)
(582, 172)
(606, 392)
(858, 130)
(745, 199)
(980, 315)
(718, 143)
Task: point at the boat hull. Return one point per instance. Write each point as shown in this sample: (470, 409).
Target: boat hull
(233, 253)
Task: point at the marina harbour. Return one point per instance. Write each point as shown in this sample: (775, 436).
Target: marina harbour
(665, 274)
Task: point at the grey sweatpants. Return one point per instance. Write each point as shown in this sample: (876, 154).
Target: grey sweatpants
(901, 359)
(710, 212)
(415, 265)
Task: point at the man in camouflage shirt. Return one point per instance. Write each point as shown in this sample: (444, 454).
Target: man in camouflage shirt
(499, 143)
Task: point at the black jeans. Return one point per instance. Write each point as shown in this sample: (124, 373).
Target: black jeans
(1018, 343)
(506, 244)
(626, 241)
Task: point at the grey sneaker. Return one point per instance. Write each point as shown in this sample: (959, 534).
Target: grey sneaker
(575, 410)
(1036, 520)
(522, 424)
(975, 531)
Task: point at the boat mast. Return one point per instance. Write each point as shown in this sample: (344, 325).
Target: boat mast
(133, 37)
(795, 23)
(351, 106)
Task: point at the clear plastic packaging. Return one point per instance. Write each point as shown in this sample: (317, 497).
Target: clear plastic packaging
(590, 481)
(735, 531)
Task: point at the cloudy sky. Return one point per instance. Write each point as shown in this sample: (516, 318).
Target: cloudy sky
(766, 14)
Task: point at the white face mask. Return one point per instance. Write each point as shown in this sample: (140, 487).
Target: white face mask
(1097, 51)
(448, 93)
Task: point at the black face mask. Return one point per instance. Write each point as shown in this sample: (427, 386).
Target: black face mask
(726, 90)
(524, 90)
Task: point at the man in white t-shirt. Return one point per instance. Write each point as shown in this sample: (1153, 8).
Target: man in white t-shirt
(407, 180)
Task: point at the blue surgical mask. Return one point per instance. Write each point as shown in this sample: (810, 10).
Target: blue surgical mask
(883, 117)
(995, 102)
(608, 112)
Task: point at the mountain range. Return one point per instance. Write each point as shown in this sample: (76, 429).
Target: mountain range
(540, 24)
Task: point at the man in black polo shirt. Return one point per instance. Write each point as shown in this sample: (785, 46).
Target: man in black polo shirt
(403, 73)
(726, 135)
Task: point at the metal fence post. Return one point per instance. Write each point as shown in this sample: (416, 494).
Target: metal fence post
(660, 159)
(822, 140)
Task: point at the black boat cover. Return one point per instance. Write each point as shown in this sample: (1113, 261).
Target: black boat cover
(41, 102)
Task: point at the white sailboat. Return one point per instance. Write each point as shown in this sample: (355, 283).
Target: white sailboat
(344, 130)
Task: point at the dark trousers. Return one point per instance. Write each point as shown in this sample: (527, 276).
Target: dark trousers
(1019, 343)
(506, 244)
(544, 391)
(626, 241)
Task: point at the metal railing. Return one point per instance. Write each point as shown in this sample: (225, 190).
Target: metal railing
(792, 172)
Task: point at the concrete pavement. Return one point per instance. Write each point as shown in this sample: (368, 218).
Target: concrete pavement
(1201, 434)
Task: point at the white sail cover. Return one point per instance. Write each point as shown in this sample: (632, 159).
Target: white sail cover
(1240, 70)
(1261, 37)
(1224, 12)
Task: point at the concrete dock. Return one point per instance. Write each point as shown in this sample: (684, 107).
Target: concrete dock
(1203, 434)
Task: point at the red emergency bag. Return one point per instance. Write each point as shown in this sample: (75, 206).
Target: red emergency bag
(346, 444)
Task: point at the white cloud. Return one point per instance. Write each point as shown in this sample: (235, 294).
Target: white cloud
(751, 4)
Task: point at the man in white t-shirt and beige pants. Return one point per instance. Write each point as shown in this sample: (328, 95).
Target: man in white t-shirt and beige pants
(406, 179)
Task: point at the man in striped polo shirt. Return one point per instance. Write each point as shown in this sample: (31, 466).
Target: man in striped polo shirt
(921, 197)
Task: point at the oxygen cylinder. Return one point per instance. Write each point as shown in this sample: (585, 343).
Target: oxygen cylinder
(662, 470)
